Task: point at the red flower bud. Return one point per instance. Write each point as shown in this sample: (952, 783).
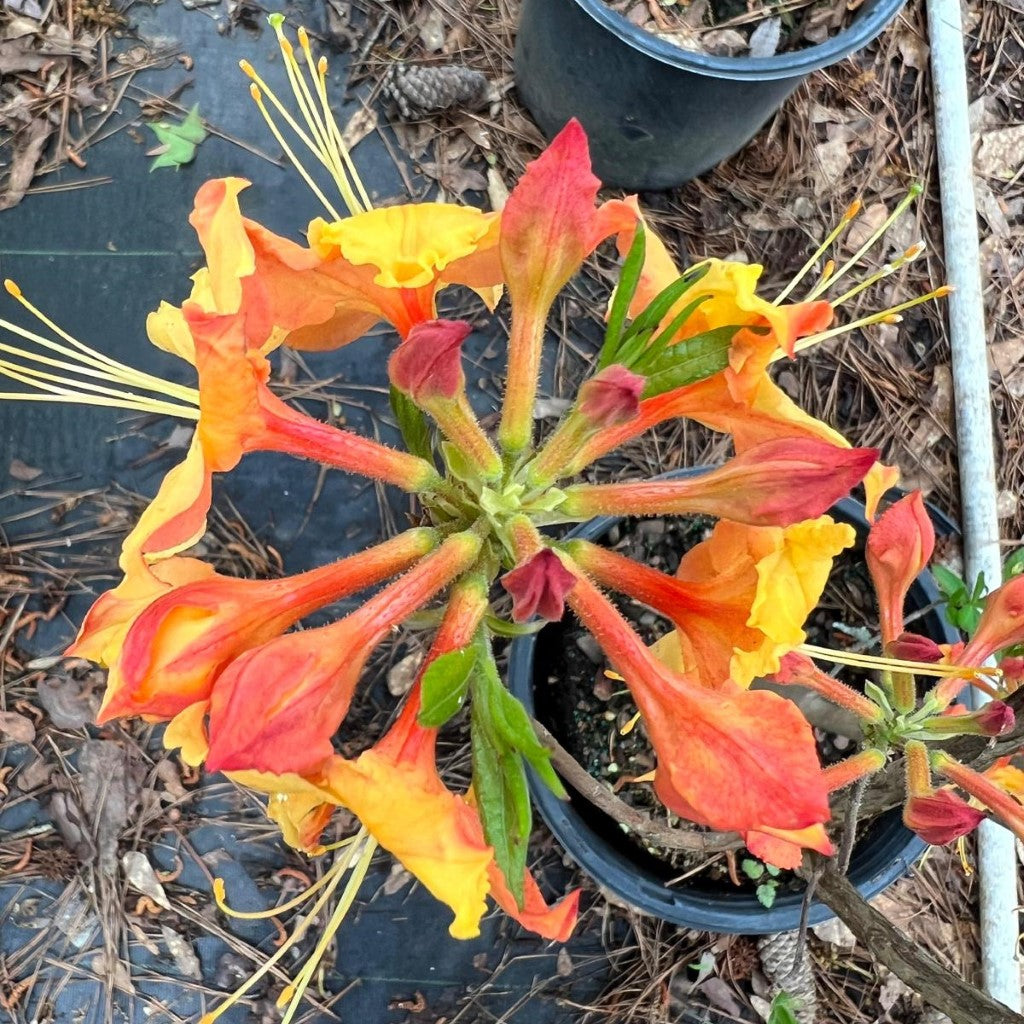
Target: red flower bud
(612, 397)
(940, 817)
(539, 587)
(428, 364)
(1013, 671)
(914, 647)
(995, 718)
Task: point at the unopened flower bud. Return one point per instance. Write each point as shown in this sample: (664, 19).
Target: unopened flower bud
(995, 718)
(539, 587)
(612, 397)
(940, 817)
(428, 364)
(1013, 671)
(914, 647)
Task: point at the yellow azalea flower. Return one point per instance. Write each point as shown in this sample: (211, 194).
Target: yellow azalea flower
(751, 590)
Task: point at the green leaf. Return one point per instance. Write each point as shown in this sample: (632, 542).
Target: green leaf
(629, 278)
(753, 869)
(948, 582)
(766, 894)
(696, 359)
(499, 782)
(1014, 565)
(516, 728)
(178, 141)
(659, 306)
(782, 1010)
(772, 870)
(413, 425)
(445, 685)
(652, 352)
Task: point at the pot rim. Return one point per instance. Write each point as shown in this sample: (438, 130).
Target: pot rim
(793, 64)
(721, 912)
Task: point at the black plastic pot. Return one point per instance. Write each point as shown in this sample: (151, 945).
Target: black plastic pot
(885, 852)
(657, 115)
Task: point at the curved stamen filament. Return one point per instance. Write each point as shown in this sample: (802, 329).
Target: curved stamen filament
(888, 268)
(339, 142)
(77, 390)
(335, 875)
(851, 211)
(912, 193)
(858, 660)
(255, 92)
(294, 992)
(890, 315)
(84, 355)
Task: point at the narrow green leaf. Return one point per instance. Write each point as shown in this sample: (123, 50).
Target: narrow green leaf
(697, 359)
(413, 425)
(658, 308)
(516, 728)
(499, 782)
(445, 685)
(629, 278)
(1014, 565)
(652, 352)
(948, 582)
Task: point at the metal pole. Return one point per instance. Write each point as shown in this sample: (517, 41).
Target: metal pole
(997, 863)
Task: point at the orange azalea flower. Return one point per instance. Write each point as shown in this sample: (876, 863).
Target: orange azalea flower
(733, 760)
(239, 414)
(179, 644)
(549, 226)
(395, 791)
(276, 707)
(777, 483)
(741, 400)
(739, 599)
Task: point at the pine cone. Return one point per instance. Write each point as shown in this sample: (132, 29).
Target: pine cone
(790, 970)
(419, 90)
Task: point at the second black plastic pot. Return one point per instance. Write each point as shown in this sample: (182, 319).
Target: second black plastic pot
(657, 115)
(884, 853)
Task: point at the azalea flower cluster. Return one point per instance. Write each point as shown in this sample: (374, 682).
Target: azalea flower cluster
(245, 693)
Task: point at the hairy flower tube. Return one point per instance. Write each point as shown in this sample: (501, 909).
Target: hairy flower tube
(248, 691)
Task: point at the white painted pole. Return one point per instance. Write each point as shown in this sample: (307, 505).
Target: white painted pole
(997, 862)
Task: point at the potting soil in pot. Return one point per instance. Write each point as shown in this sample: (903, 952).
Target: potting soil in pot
(737, 28)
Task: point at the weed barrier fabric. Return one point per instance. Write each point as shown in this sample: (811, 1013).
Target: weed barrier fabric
(97, 261)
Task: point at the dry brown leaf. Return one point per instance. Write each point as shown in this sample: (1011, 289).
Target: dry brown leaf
(431, 29)
(361, 124)
(70, 703)
(17, 728)
(28, 151)
(497, 190)
(563, 963)
(398, 878)
(402, 674)
(913, 49)
(23, 471)
(1001, 153)
(140, 875)
(831, 162)
(870, 219)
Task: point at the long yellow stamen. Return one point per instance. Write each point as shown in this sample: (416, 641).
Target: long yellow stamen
(859, 660)
(851, 211)
(294, 993)
(339, 143)
(902, 260)
(335, 875)
(890, 315)
(912, 193)
(86, 366)
(257, 95)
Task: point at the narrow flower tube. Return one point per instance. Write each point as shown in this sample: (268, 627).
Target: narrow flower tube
(181, 642)
(1001, 624)
(798, 669)
(275, 708)
(732, 760)
(994, 719)
(773, 484)
(899, 547)
(549, 225)
(853, 769)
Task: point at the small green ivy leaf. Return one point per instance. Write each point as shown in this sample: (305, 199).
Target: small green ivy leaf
(445, 685)
(782, 1010)
(753, 869)
(772, 870)
(178, 142)
(766, 894)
